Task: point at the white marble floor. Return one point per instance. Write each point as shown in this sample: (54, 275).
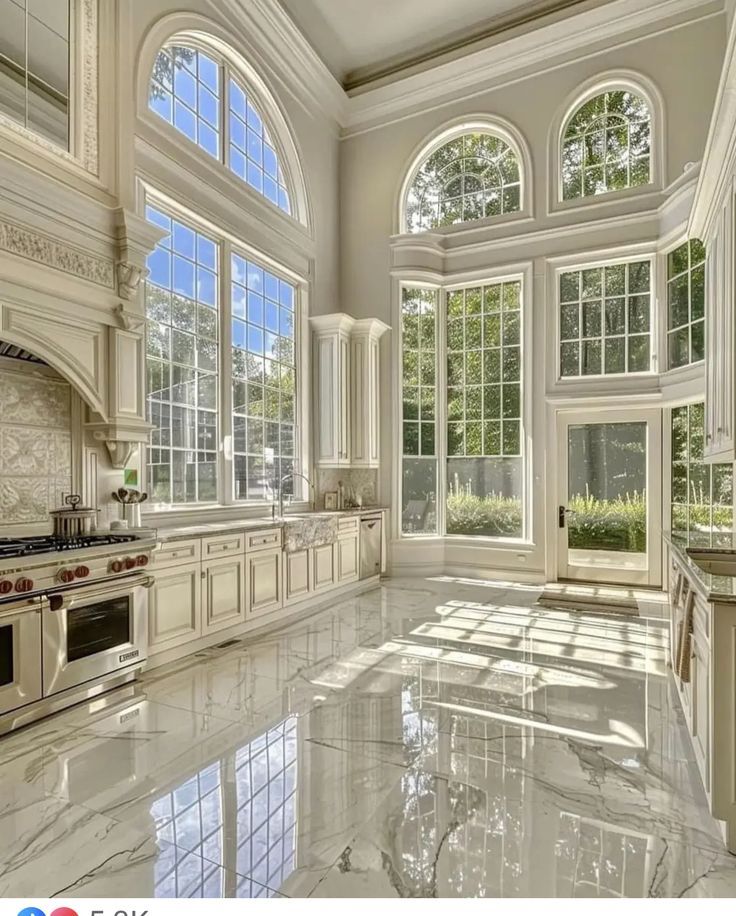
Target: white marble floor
(427, 738)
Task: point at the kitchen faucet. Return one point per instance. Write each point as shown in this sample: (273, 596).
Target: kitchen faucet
(281, 490)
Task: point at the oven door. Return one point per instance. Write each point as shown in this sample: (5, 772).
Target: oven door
(94, 631)
(20, 653)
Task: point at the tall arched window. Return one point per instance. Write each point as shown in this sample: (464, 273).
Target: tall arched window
(207, 101)
(470, 177)
(606, 145)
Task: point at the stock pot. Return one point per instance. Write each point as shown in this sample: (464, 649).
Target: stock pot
(73, 520)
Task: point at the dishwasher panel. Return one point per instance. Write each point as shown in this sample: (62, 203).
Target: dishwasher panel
(370, 546)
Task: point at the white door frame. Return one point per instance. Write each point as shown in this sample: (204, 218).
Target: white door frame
(652, 416)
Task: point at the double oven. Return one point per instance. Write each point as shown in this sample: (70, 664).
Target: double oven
(75, 638)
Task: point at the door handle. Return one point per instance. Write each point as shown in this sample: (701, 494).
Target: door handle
(562, 511)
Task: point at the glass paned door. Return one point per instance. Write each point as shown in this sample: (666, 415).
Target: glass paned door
(609, 512)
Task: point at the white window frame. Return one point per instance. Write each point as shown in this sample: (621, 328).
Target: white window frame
(227, 244)
(524, 274)
(626, 81)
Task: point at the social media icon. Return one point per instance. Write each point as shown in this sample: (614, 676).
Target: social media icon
(31, 911)
(64, 911)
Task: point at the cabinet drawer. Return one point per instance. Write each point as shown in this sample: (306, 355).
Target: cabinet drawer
(177, 553)
(348, 525)
(222, 545)
(263, 540)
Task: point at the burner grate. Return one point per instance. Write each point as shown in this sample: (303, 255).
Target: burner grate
(31, 546)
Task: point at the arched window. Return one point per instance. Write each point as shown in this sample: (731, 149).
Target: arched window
(470, 177)
(207, 101)
(606, 145)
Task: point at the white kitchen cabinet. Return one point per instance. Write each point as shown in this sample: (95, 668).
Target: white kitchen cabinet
(347, 560)
(719, 336)
(365, 390)
(174, 607)
(297, 575)
(264, 582)
(700, 707)
(346, 390)
(331, 389)
(323, 566)
(223, 593)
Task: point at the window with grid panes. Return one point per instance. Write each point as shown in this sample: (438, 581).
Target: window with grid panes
(182, 330)
(702, 494)
(197, 94)
(468, 178)
(189, 820)
(686, 304)
(185, 91)
(607, 145)
(484, 411)
(264, 379)
(605, 320)
(266, 803)
(419, 410)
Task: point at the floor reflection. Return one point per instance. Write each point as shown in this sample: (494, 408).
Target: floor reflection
(426, 739)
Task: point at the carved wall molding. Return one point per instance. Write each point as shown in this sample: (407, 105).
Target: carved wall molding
(129, 278)
(27, 243)
(89, 36)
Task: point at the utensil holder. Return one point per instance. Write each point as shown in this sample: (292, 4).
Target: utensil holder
(132, 514)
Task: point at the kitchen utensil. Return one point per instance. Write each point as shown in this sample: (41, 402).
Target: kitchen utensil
(123, 494)
(116, 496)
(73, 520)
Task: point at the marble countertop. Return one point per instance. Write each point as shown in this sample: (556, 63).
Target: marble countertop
(715, 588)
(203, 529)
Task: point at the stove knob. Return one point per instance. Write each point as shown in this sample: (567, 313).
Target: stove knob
(23, 584)
(6, 586)
(65, 575)
(130, 563)
(81, 572)
(142, 560)
(117, 566)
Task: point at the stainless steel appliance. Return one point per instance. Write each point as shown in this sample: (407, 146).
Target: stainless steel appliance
(370, 546)
(73, 620)
(73, 520)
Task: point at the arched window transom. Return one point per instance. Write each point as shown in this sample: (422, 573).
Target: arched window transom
(206, 102)
(607, 145)
(468, 178)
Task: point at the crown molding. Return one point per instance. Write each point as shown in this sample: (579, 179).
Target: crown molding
(719, 159)
(300, 68)
(481, 70)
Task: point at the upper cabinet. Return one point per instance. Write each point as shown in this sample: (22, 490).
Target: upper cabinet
(346, 390)
(712, 221)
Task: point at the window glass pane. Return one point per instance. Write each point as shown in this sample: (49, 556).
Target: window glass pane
(702, 494)
(605, 320)
(185, 91)
(485, 412)
(471, 177)
(264, 380)
(252, 155)
(181, 364)
(606, 146)
(419, 387)
(34, 66)
(686, 304)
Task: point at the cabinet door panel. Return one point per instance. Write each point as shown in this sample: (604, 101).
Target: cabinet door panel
(224, 593)
(296, 575)
(700, 676)
(174, 610)
(324, 566)
(264, 582)
(347, 559)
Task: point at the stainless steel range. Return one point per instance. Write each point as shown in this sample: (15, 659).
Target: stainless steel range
(73, 620)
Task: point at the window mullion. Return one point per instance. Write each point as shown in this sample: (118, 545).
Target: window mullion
(225, 418)
(441, 410)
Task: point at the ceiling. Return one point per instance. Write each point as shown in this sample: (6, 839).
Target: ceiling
(361, 41)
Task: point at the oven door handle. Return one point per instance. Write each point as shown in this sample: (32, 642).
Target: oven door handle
(60, 600)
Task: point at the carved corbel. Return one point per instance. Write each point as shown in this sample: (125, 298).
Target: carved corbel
(130, 320)
(129, 278)
(136, 238)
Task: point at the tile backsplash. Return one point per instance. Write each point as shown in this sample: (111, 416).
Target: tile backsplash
(361, 482)
(35, 445)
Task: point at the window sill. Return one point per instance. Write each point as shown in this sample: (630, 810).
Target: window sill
(165, 517)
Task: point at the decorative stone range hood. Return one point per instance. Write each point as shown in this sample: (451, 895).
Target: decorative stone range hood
(82, 312)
